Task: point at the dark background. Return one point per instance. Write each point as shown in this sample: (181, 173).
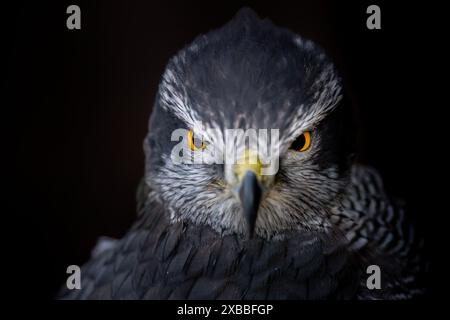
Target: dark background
(78, 101)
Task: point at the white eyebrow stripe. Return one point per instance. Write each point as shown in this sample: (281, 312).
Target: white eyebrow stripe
(327, 94)
(174, 99)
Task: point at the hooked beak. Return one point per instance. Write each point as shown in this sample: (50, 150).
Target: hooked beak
(250, 193)
(249, 188)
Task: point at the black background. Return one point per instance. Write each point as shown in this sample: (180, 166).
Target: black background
(78, 101)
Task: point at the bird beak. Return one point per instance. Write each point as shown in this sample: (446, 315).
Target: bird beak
(249, 190)
(250, 195)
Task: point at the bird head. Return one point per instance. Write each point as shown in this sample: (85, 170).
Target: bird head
(262, 109)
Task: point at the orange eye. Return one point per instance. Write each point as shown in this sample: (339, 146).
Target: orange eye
(193, 143)
(303, 142)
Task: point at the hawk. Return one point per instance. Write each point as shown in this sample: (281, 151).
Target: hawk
(212, 230)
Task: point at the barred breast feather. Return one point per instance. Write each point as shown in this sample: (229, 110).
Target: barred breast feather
(378, 228)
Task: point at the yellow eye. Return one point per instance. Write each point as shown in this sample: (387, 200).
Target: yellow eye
(193, 144)
(303, 142)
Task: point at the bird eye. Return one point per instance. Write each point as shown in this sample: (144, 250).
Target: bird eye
(303, 142)
(194, 144)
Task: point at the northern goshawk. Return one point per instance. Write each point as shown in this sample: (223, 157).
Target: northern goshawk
(212, 230)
